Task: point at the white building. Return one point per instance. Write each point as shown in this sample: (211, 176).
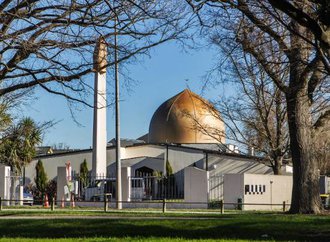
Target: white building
(185, 131)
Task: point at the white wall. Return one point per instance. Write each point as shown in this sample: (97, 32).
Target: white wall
(126, 183)
(52, 162)
(229, 164)
(143, 150)
(61, 182)
(196, 185)
(271, 189)
(232, 189)
(5, 182)
(180, 158)
(223, 164)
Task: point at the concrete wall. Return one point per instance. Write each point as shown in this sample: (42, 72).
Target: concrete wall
(223, 164)
(61, 182)
(196, 185)
(258, 189)
(126, 183)
(180, 158)
(143, 150)
(52, 162)
(135, 163)
(233, 189)
(5, 182)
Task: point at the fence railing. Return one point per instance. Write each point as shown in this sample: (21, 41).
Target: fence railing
(143, 186)
(163, 205)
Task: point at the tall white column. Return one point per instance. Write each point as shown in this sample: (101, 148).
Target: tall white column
(5, 183)
(99, 162)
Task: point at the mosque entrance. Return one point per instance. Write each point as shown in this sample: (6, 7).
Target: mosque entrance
(144, 171)
(148, 184)
(142, 183)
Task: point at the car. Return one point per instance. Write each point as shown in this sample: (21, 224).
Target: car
(27, 198)
(325, 199)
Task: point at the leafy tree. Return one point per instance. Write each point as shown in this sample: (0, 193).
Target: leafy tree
(41, 178)
(18, 144)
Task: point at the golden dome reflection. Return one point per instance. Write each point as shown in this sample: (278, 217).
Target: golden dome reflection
(186, 118)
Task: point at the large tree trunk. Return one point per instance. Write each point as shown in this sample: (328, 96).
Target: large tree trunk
(277, 168)
(305, 192)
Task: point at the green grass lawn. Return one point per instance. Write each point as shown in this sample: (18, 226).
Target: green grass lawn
(259, 226)
(96, 239)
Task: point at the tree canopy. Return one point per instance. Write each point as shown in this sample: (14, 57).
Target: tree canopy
(18, 144)
(50, 44)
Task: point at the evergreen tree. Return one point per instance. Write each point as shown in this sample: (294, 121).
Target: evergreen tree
(83, 173)
(41, 178)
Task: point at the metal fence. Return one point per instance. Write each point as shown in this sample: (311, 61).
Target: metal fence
(156, 205)
(146, 187)
(143, 186)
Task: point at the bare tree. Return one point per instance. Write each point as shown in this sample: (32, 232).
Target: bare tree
(321, 148)
(315, 18)
(251, 26)
(256, 115)
(50, 44)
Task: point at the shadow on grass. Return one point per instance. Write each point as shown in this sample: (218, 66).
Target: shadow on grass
(278, 227)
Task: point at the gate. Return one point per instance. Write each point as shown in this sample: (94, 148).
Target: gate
(145, 187)
(91, 188)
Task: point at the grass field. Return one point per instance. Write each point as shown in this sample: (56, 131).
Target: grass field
(183, 227)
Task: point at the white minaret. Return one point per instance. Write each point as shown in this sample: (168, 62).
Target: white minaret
(99, 162)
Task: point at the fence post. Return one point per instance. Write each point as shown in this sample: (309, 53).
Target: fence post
(0, 203)
(222, 209)
(52, 206)
(105, 203)
(240, 204)
(283, 206)
(164, 205)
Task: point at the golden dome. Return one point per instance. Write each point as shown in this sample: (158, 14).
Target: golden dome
(186, 118)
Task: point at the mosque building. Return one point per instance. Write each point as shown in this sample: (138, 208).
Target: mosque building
(185, 131)
(183, 156)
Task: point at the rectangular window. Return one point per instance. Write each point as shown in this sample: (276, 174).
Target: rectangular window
(264, 188)
(251, 188)
(260, 188)
(247, 189)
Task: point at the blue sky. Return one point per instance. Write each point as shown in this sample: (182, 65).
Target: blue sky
(167, 72)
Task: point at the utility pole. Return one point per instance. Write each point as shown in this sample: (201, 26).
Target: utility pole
(118, 161)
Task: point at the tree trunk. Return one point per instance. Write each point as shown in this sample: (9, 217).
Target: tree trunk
(305, 192)
(277, 169)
